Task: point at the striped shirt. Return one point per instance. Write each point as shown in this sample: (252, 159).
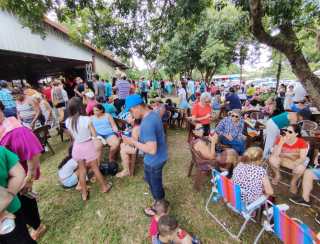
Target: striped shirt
(26, 113)
(7, 99)
(123, 87)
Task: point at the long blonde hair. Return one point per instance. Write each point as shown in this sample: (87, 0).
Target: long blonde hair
(253, 155)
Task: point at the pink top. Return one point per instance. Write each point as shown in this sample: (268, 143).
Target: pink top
(8, 125)
(90, 106)
(153, 228)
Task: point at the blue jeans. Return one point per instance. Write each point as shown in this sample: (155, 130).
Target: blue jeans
(237, 144)
(153, 176)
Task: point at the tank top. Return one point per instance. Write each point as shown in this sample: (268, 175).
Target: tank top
(26, 112)
(102, 125)
(57, 95)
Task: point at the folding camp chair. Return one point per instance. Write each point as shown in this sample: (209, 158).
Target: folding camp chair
(289, 230)
(202, 167)
(230, 192)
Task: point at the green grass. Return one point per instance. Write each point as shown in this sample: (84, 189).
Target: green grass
(117, 217)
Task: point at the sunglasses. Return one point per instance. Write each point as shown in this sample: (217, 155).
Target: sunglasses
(289, 131)
(200, 128)
(234, 116)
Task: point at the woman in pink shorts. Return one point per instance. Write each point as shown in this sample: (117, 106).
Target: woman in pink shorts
(84, 151)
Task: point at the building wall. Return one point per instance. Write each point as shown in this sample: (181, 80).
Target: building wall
(16, 38)
(104, 67)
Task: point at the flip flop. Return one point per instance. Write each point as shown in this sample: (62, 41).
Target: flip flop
(109, 188)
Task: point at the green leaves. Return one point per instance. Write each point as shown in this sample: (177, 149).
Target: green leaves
(210, 44)
(29, 12)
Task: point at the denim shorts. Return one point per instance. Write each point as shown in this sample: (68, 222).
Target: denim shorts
(71, 181)
(316, 172)
(107, 136)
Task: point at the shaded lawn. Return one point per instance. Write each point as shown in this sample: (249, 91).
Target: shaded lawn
(117, 217)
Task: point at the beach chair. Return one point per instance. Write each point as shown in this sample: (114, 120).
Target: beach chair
(231, 194)
(288, 230)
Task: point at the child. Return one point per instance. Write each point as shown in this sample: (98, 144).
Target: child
(84, 151)
(128, 152)
(160, 208)
(91, 102)
(68, 171)
(169, 232)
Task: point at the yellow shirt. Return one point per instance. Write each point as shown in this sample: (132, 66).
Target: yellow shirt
(251, 91)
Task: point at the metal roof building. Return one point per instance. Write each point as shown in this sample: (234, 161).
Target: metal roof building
(26, 55)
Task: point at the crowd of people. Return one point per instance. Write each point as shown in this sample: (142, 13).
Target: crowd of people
(89, 112)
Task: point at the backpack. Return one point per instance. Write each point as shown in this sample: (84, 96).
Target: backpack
(110, 168)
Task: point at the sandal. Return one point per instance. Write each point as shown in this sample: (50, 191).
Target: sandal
(109, 184)
(122, 174)
(149, 212)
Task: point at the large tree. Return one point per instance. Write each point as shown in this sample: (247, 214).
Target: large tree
(277, 24)
(208, 45)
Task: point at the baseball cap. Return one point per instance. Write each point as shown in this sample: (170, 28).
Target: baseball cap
(132, 101)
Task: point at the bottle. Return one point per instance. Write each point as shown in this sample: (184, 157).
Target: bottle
(7, 226)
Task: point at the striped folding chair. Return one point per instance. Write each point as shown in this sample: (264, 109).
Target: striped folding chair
(226, 189)
(288, 230)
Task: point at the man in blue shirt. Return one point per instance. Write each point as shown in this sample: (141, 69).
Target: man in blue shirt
(7, 100)
(233, 100)
(152, 142)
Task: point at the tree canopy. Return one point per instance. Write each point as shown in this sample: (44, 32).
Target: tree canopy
(186, 35)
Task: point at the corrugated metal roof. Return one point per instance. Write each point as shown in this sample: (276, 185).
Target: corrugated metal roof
(64, 30)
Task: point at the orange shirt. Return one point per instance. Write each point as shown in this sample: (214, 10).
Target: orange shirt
(199, 111)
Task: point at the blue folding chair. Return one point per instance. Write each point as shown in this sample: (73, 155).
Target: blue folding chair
(288, 230)
(226, 189)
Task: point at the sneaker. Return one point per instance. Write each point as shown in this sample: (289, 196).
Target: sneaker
(317, 218)
(300, 201)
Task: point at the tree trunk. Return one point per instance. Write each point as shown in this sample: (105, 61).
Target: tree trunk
(210, 73)
(279, 72)
(287, 43)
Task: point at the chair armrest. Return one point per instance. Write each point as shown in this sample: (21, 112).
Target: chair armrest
(256, 204)
(224, 173)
